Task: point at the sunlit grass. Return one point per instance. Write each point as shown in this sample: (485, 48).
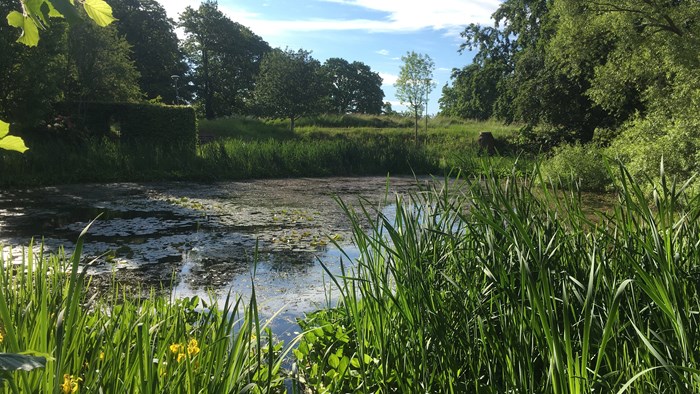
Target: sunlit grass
(505, 285)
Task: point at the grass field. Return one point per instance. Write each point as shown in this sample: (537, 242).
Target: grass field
(244, 148)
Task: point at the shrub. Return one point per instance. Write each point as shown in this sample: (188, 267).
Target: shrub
(581, 166)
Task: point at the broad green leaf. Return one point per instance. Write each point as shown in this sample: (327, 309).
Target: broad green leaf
(14, 362)
(30, 32)
(99, 11)
(4, 129)
(66, 9)
(11, 142)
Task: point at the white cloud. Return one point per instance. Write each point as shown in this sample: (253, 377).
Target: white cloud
(383, 52)
(401, 16)
(388, 79)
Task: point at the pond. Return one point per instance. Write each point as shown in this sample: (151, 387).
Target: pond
(202, 239)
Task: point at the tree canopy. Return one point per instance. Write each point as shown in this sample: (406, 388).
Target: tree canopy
(290, 85)
(225, 57)
(354, 87)
(414, 84)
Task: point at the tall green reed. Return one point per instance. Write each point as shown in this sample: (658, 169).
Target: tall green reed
(111, 342)
(503, 284)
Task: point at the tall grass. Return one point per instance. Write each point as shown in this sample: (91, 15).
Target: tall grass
(248, 148)
(116, 344)
(501, 285)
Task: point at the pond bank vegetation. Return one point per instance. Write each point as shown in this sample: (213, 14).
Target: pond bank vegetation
(489, 284)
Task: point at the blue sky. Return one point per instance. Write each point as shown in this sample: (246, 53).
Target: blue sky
(375, 32)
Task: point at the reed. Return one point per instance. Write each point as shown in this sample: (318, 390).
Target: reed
(112, 342)
(502, 284)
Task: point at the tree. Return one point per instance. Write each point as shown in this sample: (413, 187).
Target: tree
(354, 87)
(101, 66)
(290, 85)
(35, 15)
(225, 56)
(154, 45)
(415, 83)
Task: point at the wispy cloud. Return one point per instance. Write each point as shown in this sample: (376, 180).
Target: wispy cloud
(399, 16)
(383, 52)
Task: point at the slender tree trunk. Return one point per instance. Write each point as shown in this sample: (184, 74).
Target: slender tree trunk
(291, 123)
(415, 112)
(208, 105)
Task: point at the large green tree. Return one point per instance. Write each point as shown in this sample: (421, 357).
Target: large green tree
(290, 85)
(100, 65)
(154, 45)
(354, 87)
(225, 57)
(414, 84)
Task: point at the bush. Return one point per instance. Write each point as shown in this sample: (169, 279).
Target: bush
(581, 166)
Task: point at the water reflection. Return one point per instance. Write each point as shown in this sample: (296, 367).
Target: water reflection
(202, 237)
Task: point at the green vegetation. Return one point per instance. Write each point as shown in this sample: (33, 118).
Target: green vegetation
(73, 342)
(501, 285)
(623, 74)
(245, 148)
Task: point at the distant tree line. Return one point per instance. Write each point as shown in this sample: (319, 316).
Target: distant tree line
(221, 67)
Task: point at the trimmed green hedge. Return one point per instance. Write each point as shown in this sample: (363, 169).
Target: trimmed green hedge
(143, 125)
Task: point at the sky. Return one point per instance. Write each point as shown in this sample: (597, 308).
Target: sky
(375, 32)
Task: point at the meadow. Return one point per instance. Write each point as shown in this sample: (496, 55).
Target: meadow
(244, 148)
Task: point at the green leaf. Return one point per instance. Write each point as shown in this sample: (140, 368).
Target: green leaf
(99, 11)
(333, 361)
(4, 129)
(30, 32)
(66, 9)
(14, 362)
(11, 142)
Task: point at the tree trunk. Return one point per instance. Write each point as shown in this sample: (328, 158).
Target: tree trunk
(415, 112)
(291, 123)
(208, 105)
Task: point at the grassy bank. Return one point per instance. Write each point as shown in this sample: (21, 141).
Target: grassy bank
(504, 286)
(248, 148)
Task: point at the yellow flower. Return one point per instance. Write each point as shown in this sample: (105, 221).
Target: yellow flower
(175, 348)
(193, 347)
(2, 337)
(181, 357)
(70, 384)
(102, 356)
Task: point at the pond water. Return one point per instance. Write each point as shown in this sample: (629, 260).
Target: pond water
(203, 239)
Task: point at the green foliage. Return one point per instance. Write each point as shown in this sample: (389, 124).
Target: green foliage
(154, 46)
(35, 15)
(354, 87)
(245, 148)
(113, 342)
(10, 142)
(415, 83)
(499, 285)
(226, 57)
(143, 125)
(290, 85)
(581, 167)
(101, 66)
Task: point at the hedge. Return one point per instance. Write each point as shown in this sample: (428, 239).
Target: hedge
(143, 125)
